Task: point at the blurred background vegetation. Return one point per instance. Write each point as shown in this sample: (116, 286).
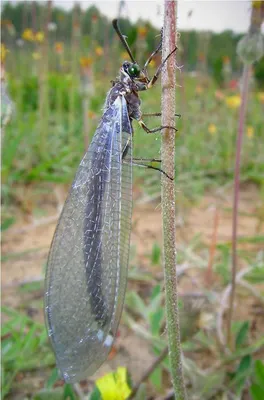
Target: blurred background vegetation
(57, 66)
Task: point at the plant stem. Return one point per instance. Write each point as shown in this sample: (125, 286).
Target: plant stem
(168, 82)
(242, 117)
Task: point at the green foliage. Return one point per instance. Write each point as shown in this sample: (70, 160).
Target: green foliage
(257, 387)
(218, 71)
(6, 223)
(242, 334)
(256, 275)
(189, 42)
(24, 346)
(259, 72)
(26, 89)
(156, 254)
(223, 265)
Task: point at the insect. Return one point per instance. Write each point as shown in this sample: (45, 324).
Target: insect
(87, 266)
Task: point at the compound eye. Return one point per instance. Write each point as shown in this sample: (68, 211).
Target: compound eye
(134, 70)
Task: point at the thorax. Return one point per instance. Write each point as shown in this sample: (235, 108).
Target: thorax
(128, 90)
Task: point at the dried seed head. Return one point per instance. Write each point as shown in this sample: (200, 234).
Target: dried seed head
(251, 47)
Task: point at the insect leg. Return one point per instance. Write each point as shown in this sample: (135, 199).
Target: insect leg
(157, 114)
(150, 167)
(157, 73)
(125, 149)
(154, 130)
(147, 160)
(144, 70)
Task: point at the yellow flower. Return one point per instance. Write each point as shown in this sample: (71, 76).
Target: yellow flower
(86, 62)
(28, 35)
(4, 52)
(250, 132)
(233, 101)
(114, 386)
(261, 97)
(39, 37)
(36, 56)
(212, 129)
(99, 51)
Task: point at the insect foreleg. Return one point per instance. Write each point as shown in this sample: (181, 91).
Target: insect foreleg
(157, 73)
(154, 130)
(151, 57)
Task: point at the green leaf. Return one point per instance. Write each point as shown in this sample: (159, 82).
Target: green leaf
(136, 304)
(241, 374)
(244, 365)
(95, 395)
(68, 393)
(156, 378)
(259, 372)
(155, 292)
(53, 378)
(155, 321)
(242, 334)
(157, 297)
(256, 275)
(156, 254)
(7, 223)
(257, 392)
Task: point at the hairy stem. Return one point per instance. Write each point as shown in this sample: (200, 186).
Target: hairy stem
(168, 82)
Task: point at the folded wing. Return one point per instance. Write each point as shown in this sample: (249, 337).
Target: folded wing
(87, 266)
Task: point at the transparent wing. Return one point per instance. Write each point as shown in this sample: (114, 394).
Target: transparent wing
(87, 266)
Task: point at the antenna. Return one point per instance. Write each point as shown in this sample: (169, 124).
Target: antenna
(123, 40)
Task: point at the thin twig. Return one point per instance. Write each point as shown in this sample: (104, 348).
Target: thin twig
(242, 117)
(223, 306)
(168, 82)
(248, 58)
(149, 371)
